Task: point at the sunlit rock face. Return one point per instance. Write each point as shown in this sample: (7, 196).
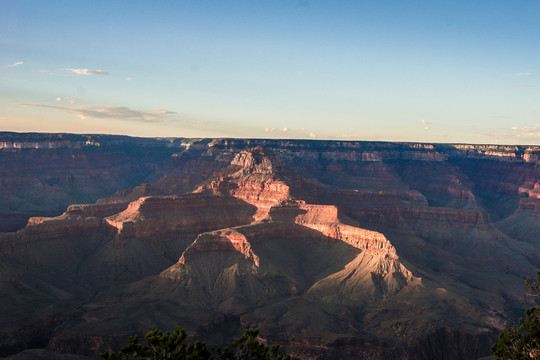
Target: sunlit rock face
(333, 249)
(256, 177)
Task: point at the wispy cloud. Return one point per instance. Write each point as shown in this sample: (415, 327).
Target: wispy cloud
(205, 122)
(425, 124)
(525, 132)
(277, 129)
(503, 117)
(112, 112)
(524, 74)
(71, 101)
(293, 133)
(522, 85)
(16, 64)
(87, 71)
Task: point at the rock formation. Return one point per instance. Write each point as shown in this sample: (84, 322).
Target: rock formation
(334, 249)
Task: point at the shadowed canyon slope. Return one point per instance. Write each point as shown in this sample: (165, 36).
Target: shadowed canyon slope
(334, 249)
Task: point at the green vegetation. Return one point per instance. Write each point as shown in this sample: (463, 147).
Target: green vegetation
(161, 346)
(522, 341)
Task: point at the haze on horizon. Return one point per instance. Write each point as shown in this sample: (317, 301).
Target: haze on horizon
(424, 71)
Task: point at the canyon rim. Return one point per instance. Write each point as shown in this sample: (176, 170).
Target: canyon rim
(334, 249)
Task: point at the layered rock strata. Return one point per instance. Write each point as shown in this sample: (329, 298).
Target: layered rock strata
(377, 249)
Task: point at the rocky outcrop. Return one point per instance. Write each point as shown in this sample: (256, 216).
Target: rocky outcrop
(100, 209)
(256, 177)
(221, 240)
(530, 191)
(324, 219)
(48, 172)
(332, 248)
(524, 223)
(157, 215)
(429, 219)
(62, 226)
(44, 173)
(266, 267)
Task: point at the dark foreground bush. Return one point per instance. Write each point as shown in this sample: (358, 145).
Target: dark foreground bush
(166, 346)
(522, 342)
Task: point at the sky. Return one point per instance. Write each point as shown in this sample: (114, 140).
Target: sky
(405, 70)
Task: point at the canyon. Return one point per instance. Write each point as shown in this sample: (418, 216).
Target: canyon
(333, 249)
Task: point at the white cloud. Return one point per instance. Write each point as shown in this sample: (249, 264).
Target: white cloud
(276, 129)
(16, 64)
(71, 101)
(525, 74)
(526, 132)
(300, 133)
(87, 71)
(129, 79)
(112, 112)
(522, 85)
(425, 123)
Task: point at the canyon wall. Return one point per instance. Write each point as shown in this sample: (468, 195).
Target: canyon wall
(332, 248)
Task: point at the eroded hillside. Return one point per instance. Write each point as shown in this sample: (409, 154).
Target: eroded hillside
(381, 250)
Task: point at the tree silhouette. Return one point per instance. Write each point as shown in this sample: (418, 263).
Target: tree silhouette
(166, 346)
(522, 342)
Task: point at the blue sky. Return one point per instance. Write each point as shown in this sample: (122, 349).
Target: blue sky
(429, 71)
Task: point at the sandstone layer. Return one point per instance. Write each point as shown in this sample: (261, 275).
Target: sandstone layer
(334, 249)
